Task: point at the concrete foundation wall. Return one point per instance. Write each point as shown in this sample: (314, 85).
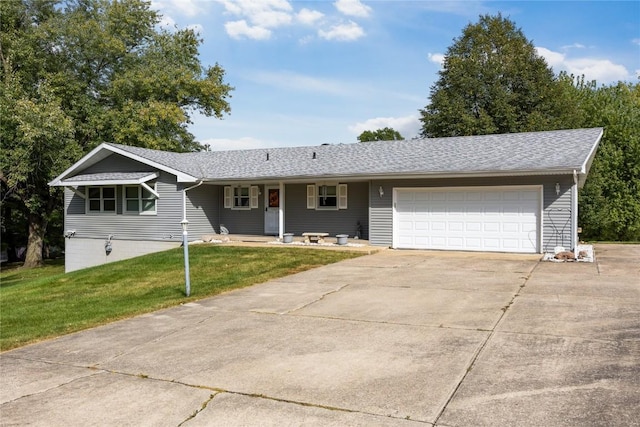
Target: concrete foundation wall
(83, 253)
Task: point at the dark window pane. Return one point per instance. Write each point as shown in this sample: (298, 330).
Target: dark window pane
(109, 193)
(132, 205)
(109, 205)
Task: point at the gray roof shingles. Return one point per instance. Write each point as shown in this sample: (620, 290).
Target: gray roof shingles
(532, 152)
(108, 176)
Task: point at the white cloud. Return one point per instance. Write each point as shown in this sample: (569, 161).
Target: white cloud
(342, 32)
(167, 23)
(239, 29)
(408, 126)
(263, 13)
(353, 8)
(309, 17)
(262, 16)
(271, 19)
(436, 58)
(574, 46)
(294, 81)
(179, 7)
(601, 70)
(636, 41)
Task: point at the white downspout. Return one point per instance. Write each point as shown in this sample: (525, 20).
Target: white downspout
(281, 211)
(184, 199)
(574, 211)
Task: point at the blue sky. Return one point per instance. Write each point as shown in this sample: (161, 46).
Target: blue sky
(314, 72)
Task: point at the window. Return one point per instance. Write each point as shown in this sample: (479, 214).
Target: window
(327, 196)
(101, 200)
(241, 197)
(139, 200)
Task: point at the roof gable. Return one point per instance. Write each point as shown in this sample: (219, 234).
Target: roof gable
(104, 150)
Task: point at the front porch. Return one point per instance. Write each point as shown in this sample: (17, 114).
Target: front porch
(330, 242)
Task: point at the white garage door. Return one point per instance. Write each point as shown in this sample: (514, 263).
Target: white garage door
(499, 219)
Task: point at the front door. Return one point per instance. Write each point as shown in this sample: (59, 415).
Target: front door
(272, 203)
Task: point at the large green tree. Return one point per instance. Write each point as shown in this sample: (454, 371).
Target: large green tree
(610, 199)
(384, 134)
(493, 81)
(76, 73)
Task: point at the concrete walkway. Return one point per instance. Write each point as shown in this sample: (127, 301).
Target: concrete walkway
(397, 338)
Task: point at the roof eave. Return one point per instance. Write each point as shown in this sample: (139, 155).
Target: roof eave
(390, 176)
(135, 181)
(586, 165)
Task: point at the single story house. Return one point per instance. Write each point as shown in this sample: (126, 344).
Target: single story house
(507, 193)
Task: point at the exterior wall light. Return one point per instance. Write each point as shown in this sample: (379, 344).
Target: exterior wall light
(557, 188)
(381, 191)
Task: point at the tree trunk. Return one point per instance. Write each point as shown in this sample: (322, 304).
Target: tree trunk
(37, 229)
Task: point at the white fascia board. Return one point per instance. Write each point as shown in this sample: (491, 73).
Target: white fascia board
(86, 161)
(394, 176)
(134, 181)
(586, 165)
(89, 160)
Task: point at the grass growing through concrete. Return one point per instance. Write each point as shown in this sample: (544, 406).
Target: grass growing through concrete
(44, 303)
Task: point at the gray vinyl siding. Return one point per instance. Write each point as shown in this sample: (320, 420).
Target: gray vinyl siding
(556, 217)
(299, 219)
(165, 225)
(556, 221)
(202, 210)
(117, 163)
(242, 221)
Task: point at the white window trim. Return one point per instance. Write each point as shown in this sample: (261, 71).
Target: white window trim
(141, 187)
(88, 200)
(230, 197)
(313, 193)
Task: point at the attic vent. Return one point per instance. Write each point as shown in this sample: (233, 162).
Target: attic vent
(267, 156)
(314, 155)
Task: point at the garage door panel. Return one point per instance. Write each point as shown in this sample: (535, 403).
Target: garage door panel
(510, 227)
(438, 225)
(494, 219)
(473, 226)
(456, 226)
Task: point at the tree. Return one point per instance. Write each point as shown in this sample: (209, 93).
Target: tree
(610, 199)
(493, 81)
(79, 72)
(386, 134)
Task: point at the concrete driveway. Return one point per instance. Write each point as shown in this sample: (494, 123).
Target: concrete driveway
(398, 338)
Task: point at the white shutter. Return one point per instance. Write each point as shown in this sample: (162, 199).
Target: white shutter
(342, 196)
(311, 196)
(253, 197)
(228, 197)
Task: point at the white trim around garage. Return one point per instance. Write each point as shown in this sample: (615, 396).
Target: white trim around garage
(482, 218)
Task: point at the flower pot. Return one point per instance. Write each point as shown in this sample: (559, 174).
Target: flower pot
(287, 238)
(342, 239)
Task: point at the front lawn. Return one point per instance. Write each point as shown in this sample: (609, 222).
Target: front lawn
(44, 303)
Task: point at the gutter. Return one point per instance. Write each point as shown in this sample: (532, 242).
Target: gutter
(184, 198)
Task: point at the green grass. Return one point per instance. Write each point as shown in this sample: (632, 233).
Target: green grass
(42, 303)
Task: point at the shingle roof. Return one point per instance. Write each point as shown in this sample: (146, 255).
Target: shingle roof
(109, 176)
(559, 151)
